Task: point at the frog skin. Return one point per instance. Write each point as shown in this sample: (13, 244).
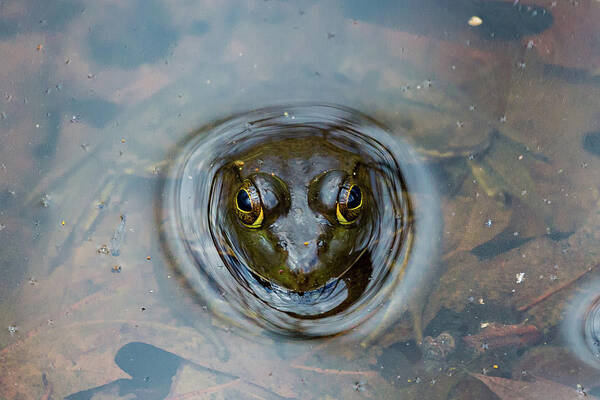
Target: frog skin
(300, 211)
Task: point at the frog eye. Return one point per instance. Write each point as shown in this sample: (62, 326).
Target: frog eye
(248, 205)
(349, 204)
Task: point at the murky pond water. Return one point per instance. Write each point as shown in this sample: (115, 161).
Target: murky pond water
(481, 274)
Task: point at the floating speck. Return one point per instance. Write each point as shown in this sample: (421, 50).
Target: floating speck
(12, 329)
(520, 276)
(103, 250)
(475, 21)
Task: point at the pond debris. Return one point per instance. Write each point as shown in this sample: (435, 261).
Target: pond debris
(359, 386)
(497, 335)
(117, 238)
(45, 200)
(549, 293)
(12, 329)
(48, 388)
(520, 276)
(103, 250)
(475, 21)
(438, 348)
(116, 269)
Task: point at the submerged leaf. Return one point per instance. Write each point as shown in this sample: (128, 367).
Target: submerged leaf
(540, 389)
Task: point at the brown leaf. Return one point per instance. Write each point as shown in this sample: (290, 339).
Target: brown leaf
(540, 389)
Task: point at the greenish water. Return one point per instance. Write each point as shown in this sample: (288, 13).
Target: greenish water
(98, 98)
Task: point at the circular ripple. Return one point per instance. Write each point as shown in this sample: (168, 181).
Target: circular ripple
(582, 324)
(205, 251)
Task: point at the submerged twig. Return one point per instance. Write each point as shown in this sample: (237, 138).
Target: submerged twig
(332, 371)
(549, 293)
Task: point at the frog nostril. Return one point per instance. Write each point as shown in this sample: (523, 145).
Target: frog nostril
(283, 244)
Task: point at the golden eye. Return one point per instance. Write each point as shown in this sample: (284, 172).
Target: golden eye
(248, 205)
(350, 201)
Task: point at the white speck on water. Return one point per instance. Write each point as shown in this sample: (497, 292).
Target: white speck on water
(520, 276)
(503, 119)
(12, 329)
(488, 223)
(530, 45)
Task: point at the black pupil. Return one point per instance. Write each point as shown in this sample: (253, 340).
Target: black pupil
(354, 197)
(243, 201)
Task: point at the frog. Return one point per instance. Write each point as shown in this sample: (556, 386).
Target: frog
(300, 211)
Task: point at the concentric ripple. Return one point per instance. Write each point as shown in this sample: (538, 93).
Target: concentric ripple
(581, 326)
(400, 249)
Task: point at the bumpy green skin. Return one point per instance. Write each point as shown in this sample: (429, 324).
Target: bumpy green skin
(301, 245)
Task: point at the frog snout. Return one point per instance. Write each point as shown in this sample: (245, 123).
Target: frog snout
(302, 257)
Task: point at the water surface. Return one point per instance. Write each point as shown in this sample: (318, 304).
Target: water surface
(97, 99)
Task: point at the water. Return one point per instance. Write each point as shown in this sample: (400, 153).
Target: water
(100, 101)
